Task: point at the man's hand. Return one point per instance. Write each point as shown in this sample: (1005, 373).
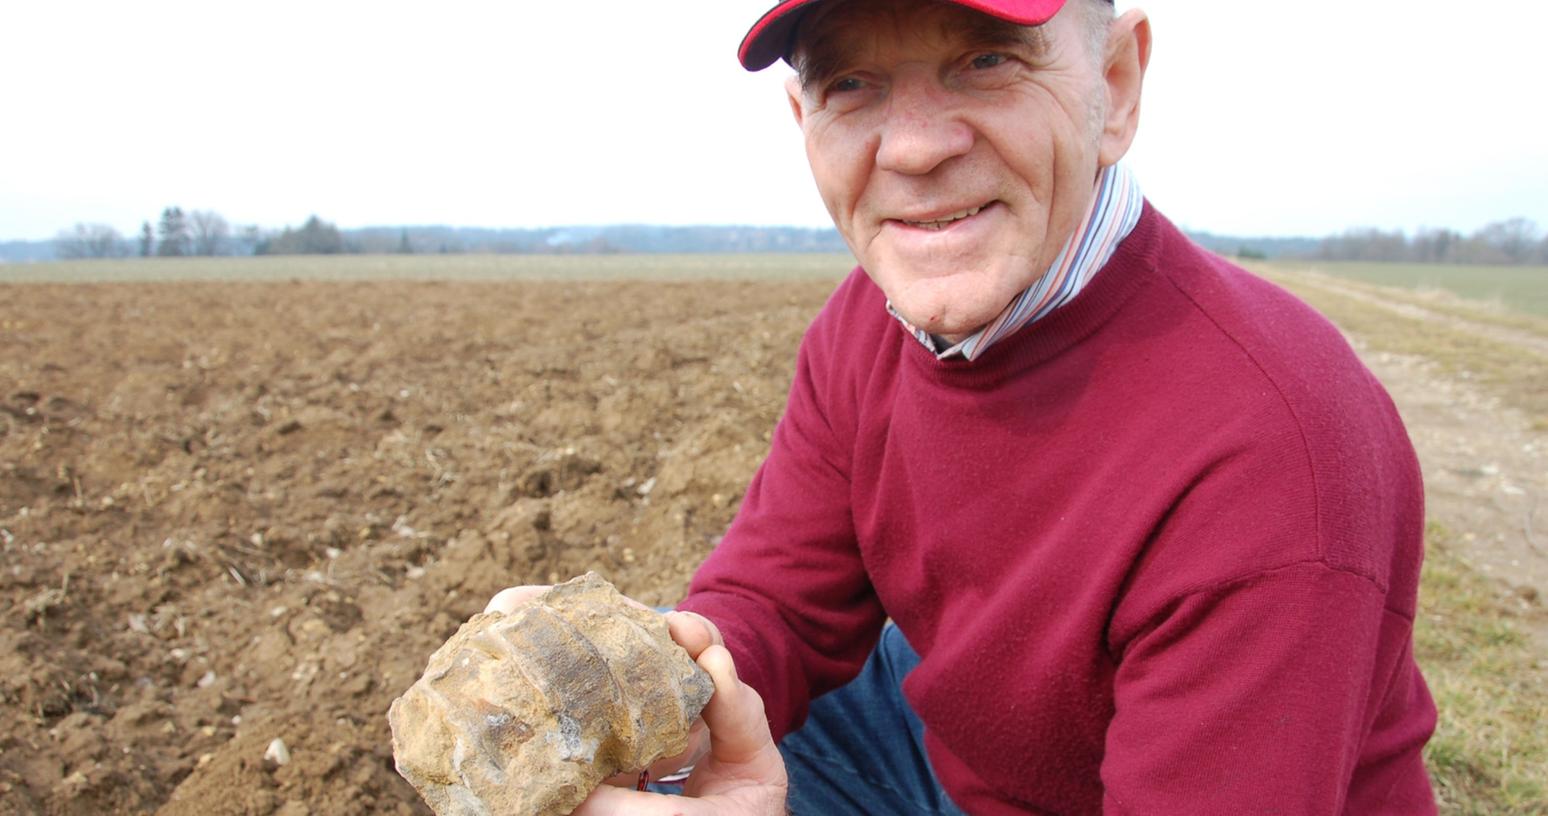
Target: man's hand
(743, 775)
(694, 632)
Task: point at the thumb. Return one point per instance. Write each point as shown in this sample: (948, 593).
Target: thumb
(693, 632)
(739, 729)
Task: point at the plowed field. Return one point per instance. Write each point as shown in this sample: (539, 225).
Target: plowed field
(234, 513)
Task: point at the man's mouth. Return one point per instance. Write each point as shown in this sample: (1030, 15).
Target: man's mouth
(945, 221)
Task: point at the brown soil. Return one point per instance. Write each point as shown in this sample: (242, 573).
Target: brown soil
(235, 513)
(231, 513)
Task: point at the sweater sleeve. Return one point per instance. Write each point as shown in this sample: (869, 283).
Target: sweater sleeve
(786, 585)
(1256, 694)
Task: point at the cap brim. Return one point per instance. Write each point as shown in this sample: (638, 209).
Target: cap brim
(769, 40)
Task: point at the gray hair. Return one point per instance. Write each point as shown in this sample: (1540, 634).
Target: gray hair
(1099, 22)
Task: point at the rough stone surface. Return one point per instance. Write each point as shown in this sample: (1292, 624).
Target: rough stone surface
(527, 713)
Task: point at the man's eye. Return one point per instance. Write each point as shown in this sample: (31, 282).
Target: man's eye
(845, 85)
(986, 61)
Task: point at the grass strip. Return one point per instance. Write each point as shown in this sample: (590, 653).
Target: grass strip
(1442, 302)
(1523, 289)
(1490, 750)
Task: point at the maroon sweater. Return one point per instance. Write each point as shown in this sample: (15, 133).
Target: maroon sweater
(1159, 551)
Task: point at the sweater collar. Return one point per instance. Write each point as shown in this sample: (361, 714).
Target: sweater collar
(1110, 217)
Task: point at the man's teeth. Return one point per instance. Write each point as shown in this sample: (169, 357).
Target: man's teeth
(941, 223)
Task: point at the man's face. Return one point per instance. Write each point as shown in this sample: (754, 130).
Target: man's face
(955, 154)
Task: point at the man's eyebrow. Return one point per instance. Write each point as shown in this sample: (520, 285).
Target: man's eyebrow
(986, 32)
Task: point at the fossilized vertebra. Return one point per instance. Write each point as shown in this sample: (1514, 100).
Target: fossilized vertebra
(527, 713)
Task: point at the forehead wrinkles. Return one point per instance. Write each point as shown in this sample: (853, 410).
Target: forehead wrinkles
(836, 33)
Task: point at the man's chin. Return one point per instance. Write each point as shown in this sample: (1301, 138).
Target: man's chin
(947, 304)
(950, 324)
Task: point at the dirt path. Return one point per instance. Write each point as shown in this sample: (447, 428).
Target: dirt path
(1446, 309)
(1486, 471)
(1485, 461)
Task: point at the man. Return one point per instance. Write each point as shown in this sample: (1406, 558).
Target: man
(1101, 522)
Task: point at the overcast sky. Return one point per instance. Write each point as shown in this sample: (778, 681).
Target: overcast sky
(1259, 118)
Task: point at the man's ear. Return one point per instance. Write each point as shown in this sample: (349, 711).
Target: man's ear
(793, 90)
(1123, 67)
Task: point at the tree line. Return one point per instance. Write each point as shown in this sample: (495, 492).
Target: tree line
(1513, 241)
(177, 233)
(199, 233)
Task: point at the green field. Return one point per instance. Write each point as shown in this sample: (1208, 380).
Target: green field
(1521, 288)
(793, 266)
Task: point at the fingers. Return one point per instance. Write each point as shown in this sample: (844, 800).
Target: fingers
(506, 600)
(611, 801)
(739, 729)
(743, 773)
(693, 632)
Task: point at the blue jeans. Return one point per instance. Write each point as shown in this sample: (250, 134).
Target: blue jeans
(861, 750)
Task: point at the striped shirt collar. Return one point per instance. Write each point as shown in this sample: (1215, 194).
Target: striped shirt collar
(1114, 210)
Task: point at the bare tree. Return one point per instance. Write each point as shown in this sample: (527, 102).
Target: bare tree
(1514, 239)
(1365, 244)
(173, 228)
(1431, 245)
(147, 240)
(211, 233)
(90, 241)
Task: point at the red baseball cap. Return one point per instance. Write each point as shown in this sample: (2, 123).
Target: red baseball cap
(769, 39)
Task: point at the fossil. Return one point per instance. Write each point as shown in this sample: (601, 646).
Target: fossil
(527, 713)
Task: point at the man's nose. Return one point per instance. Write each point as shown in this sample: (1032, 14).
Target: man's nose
(920, 129)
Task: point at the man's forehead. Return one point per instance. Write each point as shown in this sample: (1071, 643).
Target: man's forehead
(838, 29)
